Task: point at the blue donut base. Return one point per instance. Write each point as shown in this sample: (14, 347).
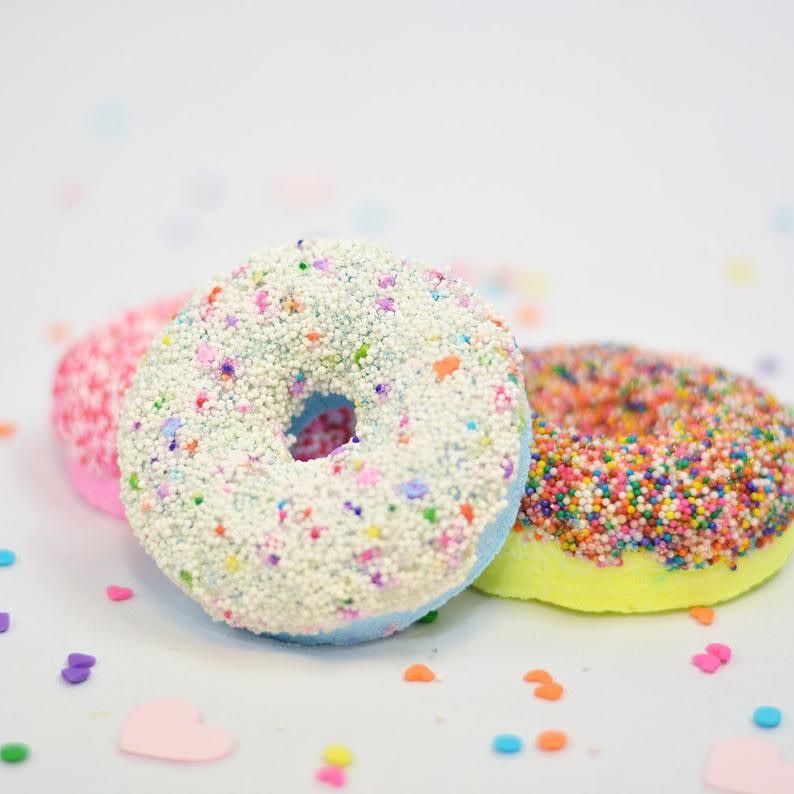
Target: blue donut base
(491, 540)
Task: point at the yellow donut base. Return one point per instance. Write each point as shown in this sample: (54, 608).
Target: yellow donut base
(541, 570)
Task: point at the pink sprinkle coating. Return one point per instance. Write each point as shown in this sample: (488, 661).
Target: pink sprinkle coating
(91, 379)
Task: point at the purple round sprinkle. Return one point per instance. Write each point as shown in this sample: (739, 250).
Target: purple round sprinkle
(81, 660)
(75, 675)
(414, 489)
(5, 622)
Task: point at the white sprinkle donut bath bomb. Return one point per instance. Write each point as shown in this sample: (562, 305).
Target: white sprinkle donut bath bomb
(359, 544)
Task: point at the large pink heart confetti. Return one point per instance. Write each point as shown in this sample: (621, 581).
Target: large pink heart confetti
(172, 730)
(748, 766)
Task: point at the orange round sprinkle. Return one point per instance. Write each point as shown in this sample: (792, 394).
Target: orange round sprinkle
(549, 691)
(446, 366)
(538, 677)
(419, 672)
(552, 740)
(312, 336)
(468, 512)
(220, 529)
(7, 429)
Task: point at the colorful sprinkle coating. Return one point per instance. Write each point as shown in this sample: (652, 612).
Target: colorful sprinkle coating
(636, 451)
(384, 525)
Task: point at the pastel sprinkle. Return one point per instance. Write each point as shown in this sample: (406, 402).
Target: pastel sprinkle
(5, 622)
(419, 672)
(549, 691)
(507, 743)
(703, 615)
(706, 662)
(81, 660)
(551, 741)
(722, 652)
(333, 776)
(7, 429)
(7, 557)
(767, 716)
(75, 675)
(117, 593)
(14, 752)
(430, 617)
(446, 366)
(337, 755)
(538, 677)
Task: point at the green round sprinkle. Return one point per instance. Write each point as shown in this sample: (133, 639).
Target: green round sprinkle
(430, 617)
(134, 482)
(361, 353)
(430, 514)
(186, 577)
(198, 499)
(303, 266)
(14, 752)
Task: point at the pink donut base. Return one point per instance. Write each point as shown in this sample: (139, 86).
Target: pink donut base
(103, 493)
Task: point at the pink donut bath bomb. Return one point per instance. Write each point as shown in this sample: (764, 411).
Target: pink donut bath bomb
(90, 382)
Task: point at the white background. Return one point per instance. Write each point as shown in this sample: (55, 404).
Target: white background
(601, 170)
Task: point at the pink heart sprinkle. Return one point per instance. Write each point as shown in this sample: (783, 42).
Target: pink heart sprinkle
(332, 775)
(116, 593)
(706, 662)
(722, 652)
(172, 730)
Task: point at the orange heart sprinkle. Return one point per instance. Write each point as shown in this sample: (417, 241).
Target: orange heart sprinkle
(552, 740)
(549, 691)
(419, 672)
(446, 366)
(704, 615)
(538, 677)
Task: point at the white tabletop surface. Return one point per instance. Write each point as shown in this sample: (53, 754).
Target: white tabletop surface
(600, 170)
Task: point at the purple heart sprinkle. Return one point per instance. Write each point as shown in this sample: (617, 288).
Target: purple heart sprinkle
(5, 622)
(75, 675)
(81, 660)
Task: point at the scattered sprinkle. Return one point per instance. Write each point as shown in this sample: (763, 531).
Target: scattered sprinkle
(14, 752)
(552, 740)
(7, 429)
(75, 675)
(767, 716)
(7, 557)
(419, 672)
(722, 652)
(57, 332)
(117, 593)
(332, 776)
(5, 622)
(538, 677)
(704, 615)
(507, 743)
(549, 691)
(706, 662)
(337, 755)
(81, 660)
(430, 617)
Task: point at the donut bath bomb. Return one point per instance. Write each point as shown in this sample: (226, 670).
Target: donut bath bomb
(360, 543)
(89, 386)
(656, 483)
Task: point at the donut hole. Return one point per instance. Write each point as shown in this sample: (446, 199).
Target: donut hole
(325, 423)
